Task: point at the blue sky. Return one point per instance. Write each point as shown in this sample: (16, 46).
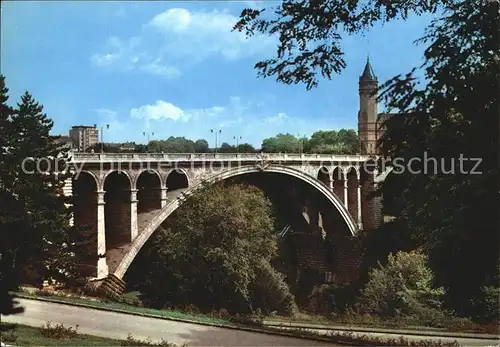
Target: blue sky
(176, 69)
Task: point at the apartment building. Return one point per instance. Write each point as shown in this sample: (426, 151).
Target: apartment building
(83, 137)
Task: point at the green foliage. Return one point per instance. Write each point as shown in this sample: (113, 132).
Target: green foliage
(451, 215)
(270, 293)
(332, 299)
(131, 341)
(328, 142)
(333, 142)
(451, 113)
(35, 235)
(310, 33)
(403, 288)
(281, 143)
(59, 331)
(211, 252)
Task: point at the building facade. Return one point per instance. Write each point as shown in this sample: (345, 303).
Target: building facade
(83, 137)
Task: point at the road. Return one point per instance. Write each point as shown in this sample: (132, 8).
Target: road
(118, 326)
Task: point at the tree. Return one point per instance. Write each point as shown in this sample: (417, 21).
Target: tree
(341, 142)
(172, 145)
(403, 288)
(452, 114)
(36, 237)
(201, 146)
(226, 148)
(281, 143)
(246, 148)
(8, 278)
(448, 209)
(210, 254)
(309, 32)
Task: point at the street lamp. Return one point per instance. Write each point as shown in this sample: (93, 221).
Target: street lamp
(217, 133)
(301, 145)
(237, 138)
(102, 136)
(148, 134)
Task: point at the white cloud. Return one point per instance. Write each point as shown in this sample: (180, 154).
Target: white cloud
(179, 36)
(257, 5)
(159, 111)
(279, 118)
(237, 117)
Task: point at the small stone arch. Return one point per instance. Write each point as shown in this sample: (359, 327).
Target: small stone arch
(179, 179)
(117, 208)
(324, 175)
(85, 185)
(120, 172)
(338, 178)
(149, 185)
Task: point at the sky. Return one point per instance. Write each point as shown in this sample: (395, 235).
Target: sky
(176, 69)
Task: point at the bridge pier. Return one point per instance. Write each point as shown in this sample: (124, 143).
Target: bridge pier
(360, 215)
(133, 214)
(102, 266)
(163, 197)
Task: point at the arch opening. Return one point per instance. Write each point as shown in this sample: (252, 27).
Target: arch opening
(352, 193)
(84, 200)
(148, 192)
(324, 176)
(303, 245)
(117, 209)
(177, 179)
(166, 211)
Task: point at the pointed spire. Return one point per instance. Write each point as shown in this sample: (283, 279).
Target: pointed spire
(368, 74)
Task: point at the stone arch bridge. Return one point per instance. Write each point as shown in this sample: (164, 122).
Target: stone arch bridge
(124, 198)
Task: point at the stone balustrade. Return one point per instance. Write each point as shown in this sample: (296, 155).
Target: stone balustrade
(272, 157)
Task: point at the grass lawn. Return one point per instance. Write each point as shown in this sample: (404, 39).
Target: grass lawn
(22, 335)
(107, 304)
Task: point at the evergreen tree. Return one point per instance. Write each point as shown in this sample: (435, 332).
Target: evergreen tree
(8, 279)
(36, 238)
(39, 189)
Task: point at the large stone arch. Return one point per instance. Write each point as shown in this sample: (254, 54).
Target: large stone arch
(144, 235)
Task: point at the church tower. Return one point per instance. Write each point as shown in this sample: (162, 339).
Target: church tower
(367, 115)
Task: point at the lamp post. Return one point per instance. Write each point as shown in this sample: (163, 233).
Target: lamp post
(217, 133)
(102, 136)
(301, 149)
(148, 134)
(237, 138)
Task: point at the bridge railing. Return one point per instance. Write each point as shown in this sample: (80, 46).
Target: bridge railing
(106, 157)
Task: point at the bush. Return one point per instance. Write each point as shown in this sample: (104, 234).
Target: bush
(403, 288)
(270, 293)
(488, 305)
(328, 299)
(131, 341)
(9, 336)
(58, 332)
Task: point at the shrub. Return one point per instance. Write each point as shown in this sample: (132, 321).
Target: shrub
(131, 341)
(9, 336)
(488, 305)
(270, 292)
(403, 288)
(59, 331)
(328, 299)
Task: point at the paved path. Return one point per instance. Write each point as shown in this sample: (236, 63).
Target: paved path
(118, 326)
